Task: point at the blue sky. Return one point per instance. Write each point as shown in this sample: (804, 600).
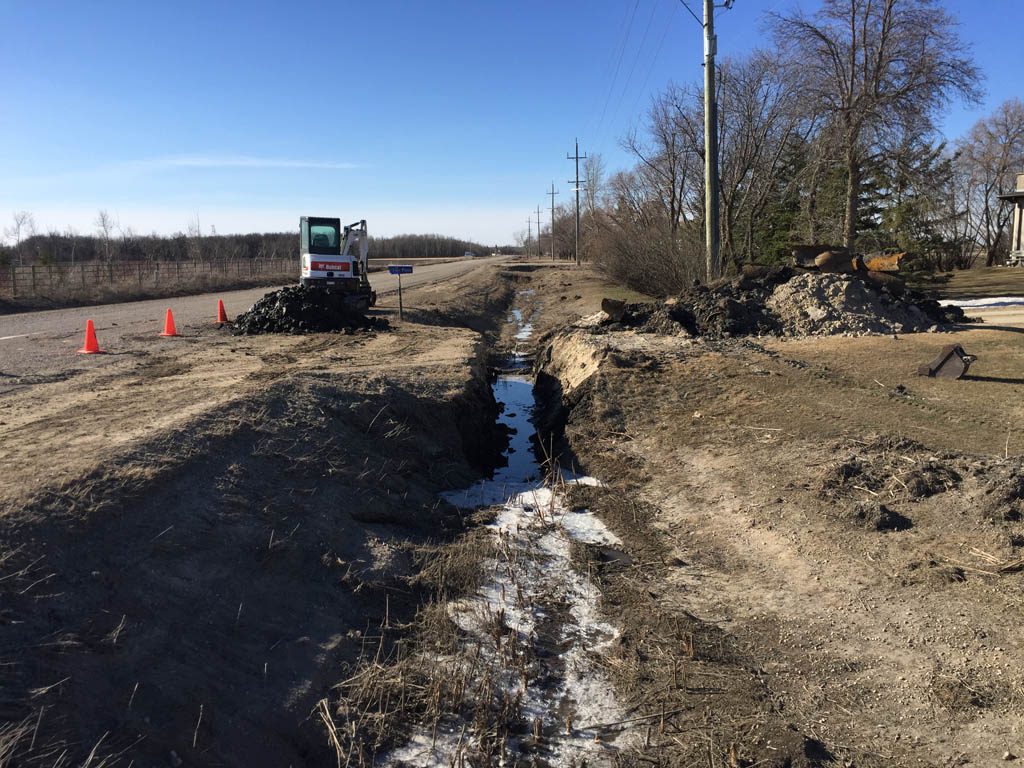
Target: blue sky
(441, 116)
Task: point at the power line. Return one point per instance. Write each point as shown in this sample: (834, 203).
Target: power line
(636, 59)
(622, 50)
(607, 70)
(687, 6)
(577, 157)
(654, 61)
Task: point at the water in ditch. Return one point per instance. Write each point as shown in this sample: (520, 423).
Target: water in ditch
(546, 654)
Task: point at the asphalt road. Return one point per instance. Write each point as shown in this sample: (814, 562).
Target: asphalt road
(36, 343)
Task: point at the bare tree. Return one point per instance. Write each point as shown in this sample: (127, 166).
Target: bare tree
(195, 239)
(872, 65)
(105, 225)
(72, 237)
(760, 116)
(667, 160)
(988, 159)
(23, 227)
(594, 174)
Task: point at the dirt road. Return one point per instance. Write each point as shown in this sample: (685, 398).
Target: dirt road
(43, 343)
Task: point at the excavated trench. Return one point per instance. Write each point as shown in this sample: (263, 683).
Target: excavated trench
(531, 628)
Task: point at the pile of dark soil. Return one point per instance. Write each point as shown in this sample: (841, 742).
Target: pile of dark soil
(905, 474)
(302, 309)
(781, 301)
(880, 518)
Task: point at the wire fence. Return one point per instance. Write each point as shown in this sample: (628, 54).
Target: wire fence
(31, 281)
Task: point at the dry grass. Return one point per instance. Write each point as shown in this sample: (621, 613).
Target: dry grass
(426, 677)
(71, 296)
(972, 283)
(453, 570)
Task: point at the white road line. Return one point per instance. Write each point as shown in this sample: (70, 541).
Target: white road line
(19, 336)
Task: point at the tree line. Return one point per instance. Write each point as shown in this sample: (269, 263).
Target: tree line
(829, 137)
(428, 246)
(112, 242)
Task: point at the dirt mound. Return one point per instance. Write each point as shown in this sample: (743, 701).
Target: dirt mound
(900, 469)
(302, 309)
(826, 304)
(780, 301)
(1001, 493)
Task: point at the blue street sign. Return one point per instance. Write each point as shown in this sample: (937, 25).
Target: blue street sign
(400, 269)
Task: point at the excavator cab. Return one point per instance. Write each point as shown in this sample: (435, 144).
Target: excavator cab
(335, 257)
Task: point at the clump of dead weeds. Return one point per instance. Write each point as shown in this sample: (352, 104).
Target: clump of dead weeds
(419, 676)
(450, 571)
(963, 693)
(933, 572)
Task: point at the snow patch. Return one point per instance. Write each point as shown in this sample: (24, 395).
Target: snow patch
(539, 598)
(993, 301)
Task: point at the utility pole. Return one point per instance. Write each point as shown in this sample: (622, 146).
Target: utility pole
(529, 235)
(539, 251)
(552, 193)
(577, 157)
(710, 142)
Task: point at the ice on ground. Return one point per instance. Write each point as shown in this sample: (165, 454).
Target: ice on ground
(525, 332)
(536, 593)
(585, 527)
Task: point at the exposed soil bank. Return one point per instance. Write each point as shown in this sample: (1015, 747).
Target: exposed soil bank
(805, 587)
(233, 576)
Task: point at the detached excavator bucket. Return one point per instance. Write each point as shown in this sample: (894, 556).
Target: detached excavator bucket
(952, 363)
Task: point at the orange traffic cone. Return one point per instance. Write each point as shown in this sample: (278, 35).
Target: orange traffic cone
(222, 316)
(91, 346)
(169, 329)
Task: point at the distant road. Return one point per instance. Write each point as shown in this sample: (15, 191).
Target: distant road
(31, 342)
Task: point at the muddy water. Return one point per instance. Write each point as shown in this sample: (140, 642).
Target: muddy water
(551, 662)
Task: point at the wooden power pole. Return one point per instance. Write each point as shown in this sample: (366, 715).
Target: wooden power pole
(710, 142)
(552, 193)
(577, 157)
(540, 250)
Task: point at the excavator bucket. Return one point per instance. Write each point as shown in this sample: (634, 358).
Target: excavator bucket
(952, 363)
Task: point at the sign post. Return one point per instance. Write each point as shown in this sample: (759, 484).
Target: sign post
(400, 269)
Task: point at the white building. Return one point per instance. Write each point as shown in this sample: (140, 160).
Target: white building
(1017, 230)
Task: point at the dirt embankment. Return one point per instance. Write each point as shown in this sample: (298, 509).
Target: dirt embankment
(826, 550)
(195, 541)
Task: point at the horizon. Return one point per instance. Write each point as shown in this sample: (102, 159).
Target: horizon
(451, 119)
